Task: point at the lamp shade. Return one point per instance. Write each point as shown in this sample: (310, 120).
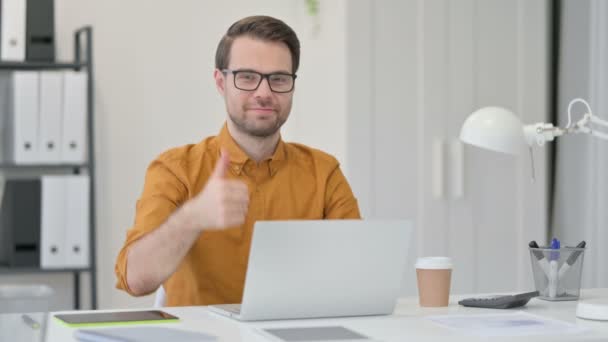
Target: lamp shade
(494, 128)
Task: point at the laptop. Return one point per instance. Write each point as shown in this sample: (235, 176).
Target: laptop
(325, 268)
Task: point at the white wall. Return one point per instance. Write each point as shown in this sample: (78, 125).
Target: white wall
(418, 69)
(319, 116)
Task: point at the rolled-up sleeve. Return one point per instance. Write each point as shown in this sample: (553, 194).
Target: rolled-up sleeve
(340, 202)
(164, 191)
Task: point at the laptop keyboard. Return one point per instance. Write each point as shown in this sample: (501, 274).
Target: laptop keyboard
(234, 308)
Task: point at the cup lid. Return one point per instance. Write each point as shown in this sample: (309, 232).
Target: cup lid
(434, 263)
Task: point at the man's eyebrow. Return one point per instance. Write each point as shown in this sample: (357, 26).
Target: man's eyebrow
(272, 72)
(281, 72)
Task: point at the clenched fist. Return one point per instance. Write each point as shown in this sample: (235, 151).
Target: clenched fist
(223, 202)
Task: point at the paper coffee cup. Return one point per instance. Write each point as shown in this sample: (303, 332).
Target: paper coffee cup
(434, 277)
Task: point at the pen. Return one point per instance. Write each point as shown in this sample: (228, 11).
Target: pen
(29, 321)
(542, 261)
(553, 267)
(571, 259)
(555, 245)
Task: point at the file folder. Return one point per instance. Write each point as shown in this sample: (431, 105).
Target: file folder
(20, 223)
(77, 221)
(40, 31)
(52, 227)
(65, 225)
(73, 140)
(19, 101)
(49, 144)
(12, 30)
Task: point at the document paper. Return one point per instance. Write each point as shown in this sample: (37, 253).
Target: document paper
(507, 324)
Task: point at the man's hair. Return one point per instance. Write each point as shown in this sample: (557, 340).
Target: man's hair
(260, 27)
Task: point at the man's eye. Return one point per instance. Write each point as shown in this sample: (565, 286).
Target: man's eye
(279, 78)
(246, 77)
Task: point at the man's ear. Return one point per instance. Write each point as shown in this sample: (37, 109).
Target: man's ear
(220, 81)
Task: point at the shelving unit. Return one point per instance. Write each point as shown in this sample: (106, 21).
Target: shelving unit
(83, 60)
(40, 65)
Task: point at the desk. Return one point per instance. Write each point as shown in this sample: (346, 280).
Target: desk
(407, 323)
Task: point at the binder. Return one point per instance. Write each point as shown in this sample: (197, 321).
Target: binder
(64, 227)
(12, 30)
(20, 223)
(77, 221)
(49, 144)
(52, 227)
(19, 100)
(73, 140)
(40, 31)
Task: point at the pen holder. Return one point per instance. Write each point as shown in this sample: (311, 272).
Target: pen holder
(557, 272)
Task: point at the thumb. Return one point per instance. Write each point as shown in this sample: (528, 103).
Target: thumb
(222, 165)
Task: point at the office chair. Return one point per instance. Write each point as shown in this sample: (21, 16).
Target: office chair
(160, 299)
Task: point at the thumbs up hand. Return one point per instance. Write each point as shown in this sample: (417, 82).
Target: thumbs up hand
(223, 202)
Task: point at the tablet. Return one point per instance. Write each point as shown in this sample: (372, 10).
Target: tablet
(116, 318)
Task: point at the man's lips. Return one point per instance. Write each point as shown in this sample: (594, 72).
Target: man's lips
(266, 110)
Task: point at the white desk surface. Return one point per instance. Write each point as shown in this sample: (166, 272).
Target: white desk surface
(407, 323)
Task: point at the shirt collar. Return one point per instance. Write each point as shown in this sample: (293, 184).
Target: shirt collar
(238, 157)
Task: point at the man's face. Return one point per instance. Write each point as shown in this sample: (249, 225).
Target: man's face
(259, 112)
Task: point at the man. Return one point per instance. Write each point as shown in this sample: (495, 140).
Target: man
(194, 219)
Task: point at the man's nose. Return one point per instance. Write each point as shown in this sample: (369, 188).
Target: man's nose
(264, 89)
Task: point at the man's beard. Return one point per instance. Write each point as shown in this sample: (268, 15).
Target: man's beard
(250, 128)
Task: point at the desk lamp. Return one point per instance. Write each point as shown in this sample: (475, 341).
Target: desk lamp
(498, 129)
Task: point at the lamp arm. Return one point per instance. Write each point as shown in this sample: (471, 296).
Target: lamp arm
(597, 121)
(600, 135)
(583, 128)
(583, 125)
(540, 133)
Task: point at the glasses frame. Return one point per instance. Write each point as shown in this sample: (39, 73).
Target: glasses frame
(262, 77)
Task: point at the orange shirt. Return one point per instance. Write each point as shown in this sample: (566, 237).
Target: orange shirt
(297, 182)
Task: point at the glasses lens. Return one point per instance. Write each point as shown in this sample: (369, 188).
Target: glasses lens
(247, 80)
(281, 82)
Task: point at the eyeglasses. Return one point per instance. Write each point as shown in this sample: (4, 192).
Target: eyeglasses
(249, 80)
